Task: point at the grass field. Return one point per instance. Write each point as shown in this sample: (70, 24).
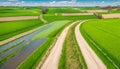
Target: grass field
(103, 36)
(19, 11)
(50, 15)
(9, 29)
(62, 10)
(71, 57)
(32, 61)
(51, 18)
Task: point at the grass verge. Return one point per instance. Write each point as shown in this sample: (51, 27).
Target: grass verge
(71, 57)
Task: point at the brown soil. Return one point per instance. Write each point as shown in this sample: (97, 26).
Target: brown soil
(75, 14)
(18, 18)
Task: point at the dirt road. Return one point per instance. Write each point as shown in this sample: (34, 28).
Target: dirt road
(91, 59)
(52, 60)
(42, 19)
(18, 18)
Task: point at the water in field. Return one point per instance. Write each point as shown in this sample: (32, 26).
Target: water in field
(25, 38)
(3, 55)
(23, 54)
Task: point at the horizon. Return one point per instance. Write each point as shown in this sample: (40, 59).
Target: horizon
(76, 3)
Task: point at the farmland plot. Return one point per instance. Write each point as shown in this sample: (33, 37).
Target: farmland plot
(9, 29)
(19, 11)
(103, 36)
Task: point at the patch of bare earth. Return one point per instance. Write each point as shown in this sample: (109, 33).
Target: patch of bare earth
(117, 15)
(18, 18)
(95, 11)
(75, 14)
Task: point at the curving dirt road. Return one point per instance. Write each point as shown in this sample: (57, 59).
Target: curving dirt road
(91, 59)
(52, 60)
(42, 19)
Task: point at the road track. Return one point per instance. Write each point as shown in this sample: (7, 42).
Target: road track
(91, 59)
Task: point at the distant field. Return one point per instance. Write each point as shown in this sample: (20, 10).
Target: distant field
(104, 35)
(19, 11)
(55, 14)
(51, 18)
(9, 29)
(62, 10)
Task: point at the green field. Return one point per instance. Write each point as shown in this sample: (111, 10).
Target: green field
(50, 15)
(51, 33)
(19, 11)
(103, 36)
(71, 57)
(51, 18)
(62, 10)
(9, 29)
